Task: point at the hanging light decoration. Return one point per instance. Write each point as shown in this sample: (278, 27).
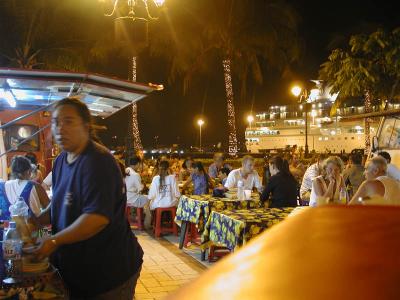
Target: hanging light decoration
(232, 139)
(368, 109)
(137, 142)
(139, 32)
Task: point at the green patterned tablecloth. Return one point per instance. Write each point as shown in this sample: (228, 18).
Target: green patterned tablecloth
(196, 209)
(233, 228)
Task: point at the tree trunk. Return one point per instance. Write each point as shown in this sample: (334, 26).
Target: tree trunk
(137, 143)
(232, 139)
(368, 108)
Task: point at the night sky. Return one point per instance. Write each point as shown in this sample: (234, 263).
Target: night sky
(171, 116)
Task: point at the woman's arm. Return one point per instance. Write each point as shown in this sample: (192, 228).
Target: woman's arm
(187, 182)
(211, 183)
(267, 190)
(319, 190)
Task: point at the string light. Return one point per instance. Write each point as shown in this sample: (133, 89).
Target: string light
(368, 109)
(232, 139)
(137, 143)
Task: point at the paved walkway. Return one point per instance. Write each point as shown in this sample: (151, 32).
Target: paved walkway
(165, 268)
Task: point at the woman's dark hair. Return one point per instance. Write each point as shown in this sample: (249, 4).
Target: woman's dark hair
(184, 163)
(133, 161)
(163, 169)
(225, 171)
(32, 158)
(19, 165)
(81, 109)
(281, 164)
(198, 165)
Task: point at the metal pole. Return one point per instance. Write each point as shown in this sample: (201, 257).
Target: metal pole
(200, 139)
(26, 115)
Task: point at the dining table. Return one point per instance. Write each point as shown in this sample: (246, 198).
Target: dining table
(196, 209)
(234, 228)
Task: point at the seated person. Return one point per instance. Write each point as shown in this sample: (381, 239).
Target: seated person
(22, 186)
(392, 170)
(282, 186)
(328, 185)
(312, 171)
(200, 179)
(219, 191)
(185, 171)
(354, 174)
(378, 188)
(133, 182)
(223, 175)
(247, 174)
(164, 191)
(217, 165)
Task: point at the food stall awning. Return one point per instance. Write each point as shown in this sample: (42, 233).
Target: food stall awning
(32, 89)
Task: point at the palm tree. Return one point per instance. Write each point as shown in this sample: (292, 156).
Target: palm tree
(36, 40)
(368, 67)
(232, 33)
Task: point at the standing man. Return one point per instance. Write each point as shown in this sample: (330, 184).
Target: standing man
(91, 244)
(247, 174)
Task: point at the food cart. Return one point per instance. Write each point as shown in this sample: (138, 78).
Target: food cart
(27, 97)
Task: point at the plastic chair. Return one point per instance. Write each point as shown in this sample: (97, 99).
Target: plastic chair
(216, 252)
(159, 227)
(139, 217)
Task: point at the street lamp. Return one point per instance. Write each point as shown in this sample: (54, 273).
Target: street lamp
(200, 122)
(250, 119)
(298, 91)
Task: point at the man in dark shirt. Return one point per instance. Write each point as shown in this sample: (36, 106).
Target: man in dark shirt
(282, 186)
(92, 244)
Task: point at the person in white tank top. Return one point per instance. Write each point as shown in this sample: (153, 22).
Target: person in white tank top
(378, 189)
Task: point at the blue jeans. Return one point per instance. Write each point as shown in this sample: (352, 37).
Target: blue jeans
(125, 291)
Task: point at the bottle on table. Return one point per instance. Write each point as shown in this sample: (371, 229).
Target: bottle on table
(343, 196)
(240, 190)
(12, 253)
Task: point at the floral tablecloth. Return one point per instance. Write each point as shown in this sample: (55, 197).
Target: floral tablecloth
(233, 228)
(196, 209)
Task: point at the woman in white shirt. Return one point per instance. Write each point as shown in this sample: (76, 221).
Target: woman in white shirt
(32, 194)
(164, 191)
(134, 185)
(21, 186)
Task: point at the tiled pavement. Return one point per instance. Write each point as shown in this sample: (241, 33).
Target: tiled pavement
(165, 268)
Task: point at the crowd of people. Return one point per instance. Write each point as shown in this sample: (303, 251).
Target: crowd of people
(91, 189)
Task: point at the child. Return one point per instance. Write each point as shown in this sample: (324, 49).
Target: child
(220, 190)
(223, 175)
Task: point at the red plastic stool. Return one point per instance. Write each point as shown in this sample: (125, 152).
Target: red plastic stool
(192, 235)
(216, 252)
(159, 228)
(139, 217)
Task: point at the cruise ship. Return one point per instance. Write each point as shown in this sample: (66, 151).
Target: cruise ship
(283, 126)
